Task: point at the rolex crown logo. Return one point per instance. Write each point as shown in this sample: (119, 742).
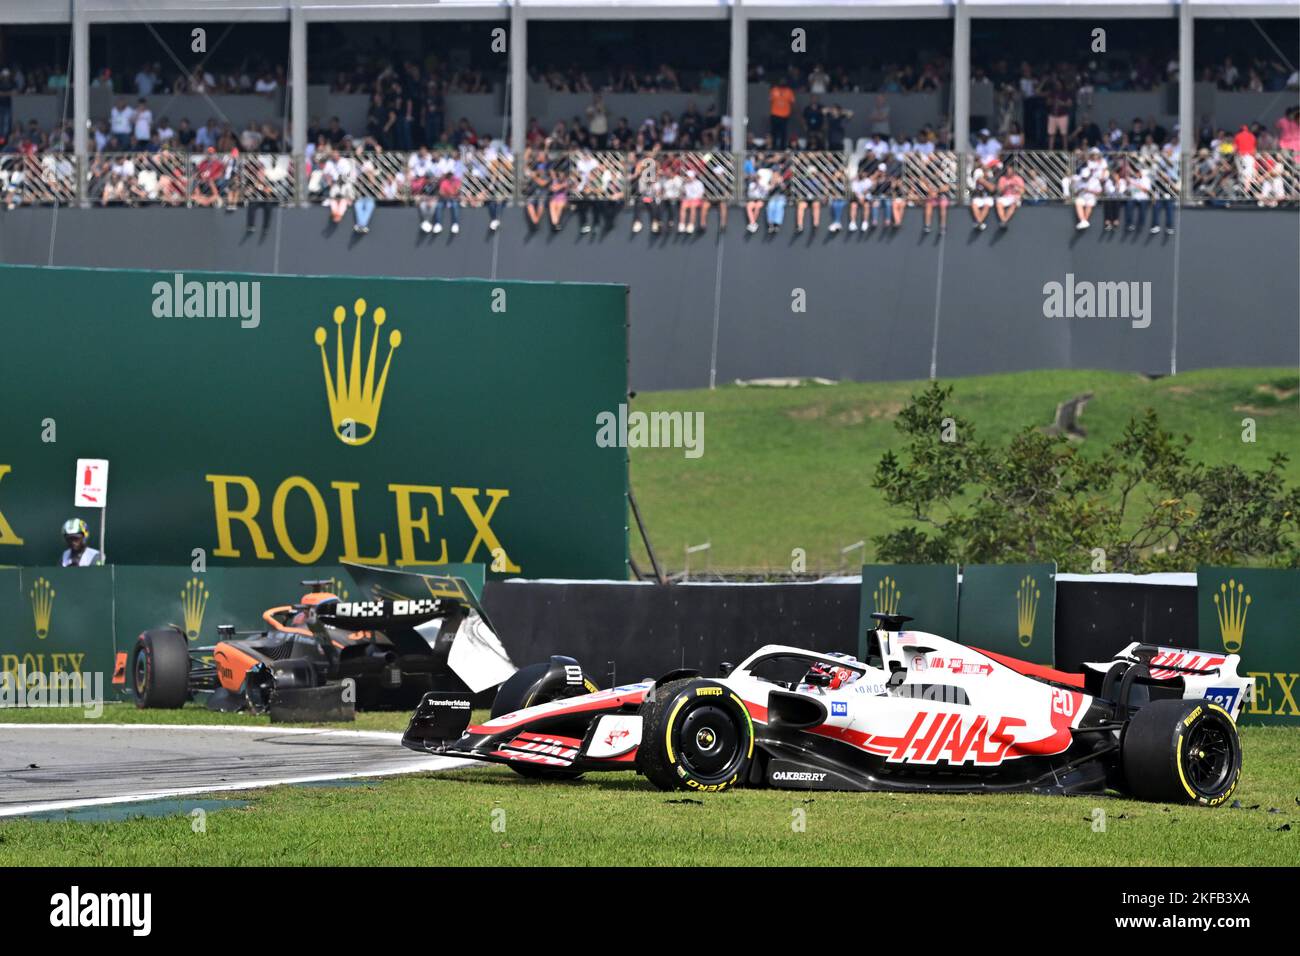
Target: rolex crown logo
(194, 601)
(355, 396)
(1232, 604)
(1027, 596)
(42, 594)
(886, 596)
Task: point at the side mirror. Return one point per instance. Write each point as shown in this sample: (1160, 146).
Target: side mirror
(817, 679)
(725, 669)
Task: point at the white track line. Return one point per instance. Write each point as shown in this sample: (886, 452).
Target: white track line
(416, 765)
(232, 728)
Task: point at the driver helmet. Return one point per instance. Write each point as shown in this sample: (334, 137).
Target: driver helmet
(840, 676)
(75, 526)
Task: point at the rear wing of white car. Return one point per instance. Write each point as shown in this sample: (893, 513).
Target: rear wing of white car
(1208, 675)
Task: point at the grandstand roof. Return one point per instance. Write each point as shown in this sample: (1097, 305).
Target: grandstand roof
(114, 11)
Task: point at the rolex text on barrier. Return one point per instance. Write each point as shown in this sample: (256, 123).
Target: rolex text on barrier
(392, 422)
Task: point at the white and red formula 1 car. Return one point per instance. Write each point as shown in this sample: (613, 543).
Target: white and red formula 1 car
(921, 714)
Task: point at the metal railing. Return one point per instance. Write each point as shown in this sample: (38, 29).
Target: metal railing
(930, 176)
(1263, 179)
(491, 175)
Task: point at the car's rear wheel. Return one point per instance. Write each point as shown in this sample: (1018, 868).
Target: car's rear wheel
(160, 669)
(695, 735)
(536, 684)
(1182, 751)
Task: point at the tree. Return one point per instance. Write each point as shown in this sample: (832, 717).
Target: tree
(1144, 502)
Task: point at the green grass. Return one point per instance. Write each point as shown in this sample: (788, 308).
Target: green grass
(612, 819)
(787, 468)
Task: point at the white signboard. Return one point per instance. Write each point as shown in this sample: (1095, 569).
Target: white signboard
(92, 483)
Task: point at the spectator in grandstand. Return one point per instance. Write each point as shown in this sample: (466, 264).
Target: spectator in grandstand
(776, 200)
(1087, 186)
(981, 196)
(692, 202)
(119, 183)
(1015, 136)
(1113, 189)
(1059, 106)
(935, 199)
(837, 118)
(1167, 171)
(780, 100)
(672, 187)
(1244, 146)
(808, 190)
(426, 193)
(1087, 134)
(339, 176)
(142, 124)
(1272, 183)
(987, 148)
(537, 180)
(121, 125)
(449, 186)
(266, 84)
(557, 197)
(863, 188)
(100, 140)
(463, 134)
(837, 205)
(1130, 185)
(645, 172)
(814, 124)
(598, 122)
(1288, 130)
(895, 191)
(1011, 192)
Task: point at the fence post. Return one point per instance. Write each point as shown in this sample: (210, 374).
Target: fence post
(81, 172)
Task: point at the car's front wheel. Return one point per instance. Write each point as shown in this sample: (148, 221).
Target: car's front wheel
(160, 669)
(540, 684)
(1182, 751)
(695, 735)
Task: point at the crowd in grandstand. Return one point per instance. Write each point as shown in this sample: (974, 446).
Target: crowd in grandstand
(672, 169)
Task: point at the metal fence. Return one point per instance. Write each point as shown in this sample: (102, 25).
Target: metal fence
(1263, 179)
(214, 179)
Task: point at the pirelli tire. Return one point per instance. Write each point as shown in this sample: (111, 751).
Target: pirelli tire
(159, 669)
(1182, 751)
(695, 735)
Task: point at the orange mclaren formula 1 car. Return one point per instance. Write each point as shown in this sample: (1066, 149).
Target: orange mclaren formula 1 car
(321, 657)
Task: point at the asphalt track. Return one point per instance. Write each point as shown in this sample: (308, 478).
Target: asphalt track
(66, 766)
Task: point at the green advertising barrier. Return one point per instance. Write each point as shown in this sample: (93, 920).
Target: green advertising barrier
(1255, 612)
(75, 620)
(925, 592)
(57, 621)
(1010, 609)
(291, 420)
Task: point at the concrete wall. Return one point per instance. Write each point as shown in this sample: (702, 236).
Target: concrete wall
(871, 302)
